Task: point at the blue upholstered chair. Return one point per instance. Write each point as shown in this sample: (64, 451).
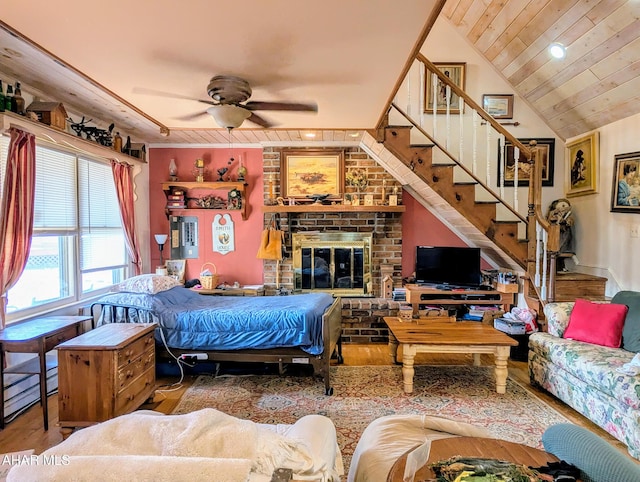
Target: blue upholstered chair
(598, 460)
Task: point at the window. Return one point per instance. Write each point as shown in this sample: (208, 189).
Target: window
(78, 245)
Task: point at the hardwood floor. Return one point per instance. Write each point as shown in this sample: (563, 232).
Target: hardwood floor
(27, 432)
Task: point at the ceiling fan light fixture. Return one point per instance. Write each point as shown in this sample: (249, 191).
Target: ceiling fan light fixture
(557, 50)
(229, 116)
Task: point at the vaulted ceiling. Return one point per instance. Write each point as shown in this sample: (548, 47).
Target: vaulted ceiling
(346, 56)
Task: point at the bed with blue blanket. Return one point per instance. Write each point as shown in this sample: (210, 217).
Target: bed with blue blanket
(300, 328)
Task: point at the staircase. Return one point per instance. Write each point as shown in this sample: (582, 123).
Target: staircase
(428, 163)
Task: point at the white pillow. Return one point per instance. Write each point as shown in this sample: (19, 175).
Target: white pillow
(148, 283)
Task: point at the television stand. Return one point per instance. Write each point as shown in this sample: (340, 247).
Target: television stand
(417, 295)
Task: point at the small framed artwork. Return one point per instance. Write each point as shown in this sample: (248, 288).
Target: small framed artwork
(582, 164)
(436, 89)
(625, 192)
(546, 149)
(393, 199)
(307, 172)
(368, 199)
(176, 268)
(498, 106)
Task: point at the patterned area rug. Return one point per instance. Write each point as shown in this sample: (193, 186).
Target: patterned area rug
(362, 394)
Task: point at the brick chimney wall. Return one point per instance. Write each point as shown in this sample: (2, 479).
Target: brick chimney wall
(362, 317)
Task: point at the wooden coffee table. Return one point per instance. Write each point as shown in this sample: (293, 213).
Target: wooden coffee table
(445, 337)
(473, 447)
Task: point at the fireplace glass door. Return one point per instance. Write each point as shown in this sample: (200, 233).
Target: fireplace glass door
(339, 266)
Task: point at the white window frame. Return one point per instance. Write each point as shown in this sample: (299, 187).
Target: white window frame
(77, 297)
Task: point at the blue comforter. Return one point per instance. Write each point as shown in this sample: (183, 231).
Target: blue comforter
(192, 321)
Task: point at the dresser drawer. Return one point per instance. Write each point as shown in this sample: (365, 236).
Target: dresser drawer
(136, 392)
(128, 373)
(54, 340)
(135, 349)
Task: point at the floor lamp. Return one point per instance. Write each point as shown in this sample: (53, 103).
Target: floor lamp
(161, 239)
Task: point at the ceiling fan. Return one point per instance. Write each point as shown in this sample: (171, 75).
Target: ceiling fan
(228, 93)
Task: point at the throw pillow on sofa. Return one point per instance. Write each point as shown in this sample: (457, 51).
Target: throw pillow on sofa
(597, 323)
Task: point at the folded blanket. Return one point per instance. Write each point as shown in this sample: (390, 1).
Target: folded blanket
(240, 446)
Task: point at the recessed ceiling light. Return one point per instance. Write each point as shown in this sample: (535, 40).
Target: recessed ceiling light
(354, 134)
(310, 135)
(557, 50)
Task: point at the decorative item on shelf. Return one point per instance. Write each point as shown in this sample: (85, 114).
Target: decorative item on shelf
(50, 113)
(117, 142)
(198, 172)
(211, 202)
(17, 103)
(137, 150)
(221, 172)
(161, 239)
(242, 170)
(318, 198)
(176, 200)
(2, 101)
(357, 178)
(173, 170)
(235, 199)
(8, 98)
(101, 136)
(384, 192)
(355, 200)
(270, 200)
(368, 199)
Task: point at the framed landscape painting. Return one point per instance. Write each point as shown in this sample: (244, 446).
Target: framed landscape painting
(306, 173)
(546, 149)
(582, 165)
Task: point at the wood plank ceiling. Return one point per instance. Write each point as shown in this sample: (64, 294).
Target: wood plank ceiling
(595, 84)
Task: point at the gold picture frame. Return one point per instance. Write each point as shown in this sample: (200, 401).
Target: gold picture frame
(498, 106)
(456, 72)
(176, 268)
(306, 173)
(625, 192)
(582, 165)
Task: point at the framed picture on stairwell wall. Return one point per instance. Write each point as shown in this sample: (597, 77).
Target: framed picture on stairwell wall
(435, 89)
(546, 148)
(582, 165)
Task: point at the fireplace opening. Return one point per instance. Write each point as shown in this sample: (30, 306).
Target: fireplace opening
(339, 263)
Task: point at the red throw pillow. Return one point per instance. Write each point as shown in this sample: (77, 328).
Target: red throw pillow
(597, 323)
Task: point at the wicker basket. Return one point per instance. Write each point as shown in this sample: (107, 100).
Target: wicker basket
(209, 281)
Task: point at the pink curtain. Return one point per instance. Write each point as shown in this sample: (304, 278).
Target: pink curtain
(17, 212)
(124, 188)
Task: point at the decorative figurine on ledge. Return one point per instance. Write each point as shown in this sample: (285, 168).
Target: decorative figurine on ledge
(318, 198)
(560, 213)
(221, 172)
(199, 170)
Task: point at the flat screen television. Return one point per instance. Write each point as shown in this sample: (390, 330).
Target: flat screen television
(447, 266)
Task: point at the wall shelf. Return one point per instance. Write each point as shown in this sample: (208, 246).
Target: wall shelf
(168, 187)
(331, 208)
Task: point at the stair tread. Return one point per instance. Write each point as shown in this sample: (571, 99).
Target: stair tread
(420, 146)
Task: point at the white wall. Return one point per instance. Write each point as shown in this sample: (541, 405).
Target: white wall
(604, 243)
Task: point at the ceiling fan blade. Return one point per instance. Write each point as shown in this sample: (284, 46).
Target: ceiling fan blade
(293, 106)
(259, 120)
(170, 95)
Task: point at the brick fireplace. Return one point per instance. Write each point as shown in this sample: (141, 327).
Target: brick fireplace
(362, 317)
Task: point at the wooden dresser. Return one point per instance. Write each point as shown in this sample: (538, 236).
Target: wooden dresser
(104, 373)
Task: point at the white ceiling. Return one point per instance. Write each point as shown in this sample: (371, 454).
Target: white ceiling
(346, 55)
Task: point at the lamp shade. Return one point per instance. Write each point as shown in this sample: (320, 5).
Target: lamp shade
(161, 238)
(229, 116)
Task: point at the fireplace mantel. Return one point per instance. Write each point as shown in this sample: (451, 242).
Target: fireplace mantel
(331, 208)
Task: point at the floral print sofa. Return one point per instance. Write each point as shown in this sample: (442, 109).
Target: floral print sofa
(586, 376)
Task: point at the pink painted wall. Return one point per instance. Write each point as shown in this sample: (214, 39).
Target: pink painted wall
(421, 228)
(240, 265)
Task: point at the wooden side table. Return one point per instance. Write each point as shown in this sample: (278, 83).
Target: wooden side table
(39, 336)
